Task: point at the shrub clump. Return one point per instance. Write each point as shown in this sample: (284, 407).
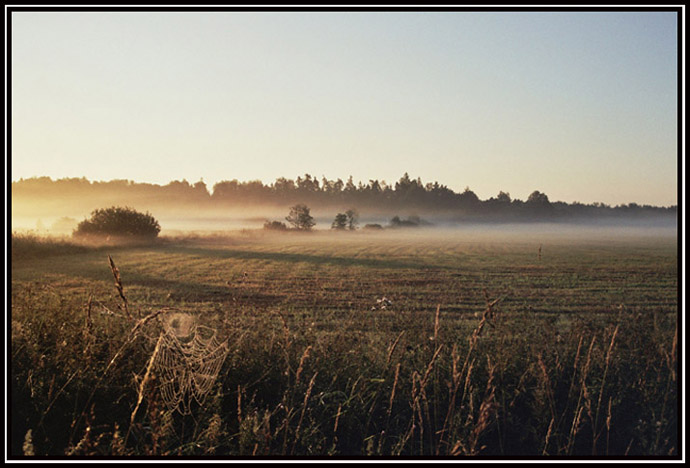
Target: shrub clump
(275, 226)
(411, 221)
(119, 222)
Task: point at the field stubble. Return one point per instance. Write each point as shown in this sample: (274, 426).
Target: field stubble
(490, 345)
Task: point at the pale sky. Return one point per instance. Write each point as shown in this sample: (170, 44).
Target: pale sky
(580, 106)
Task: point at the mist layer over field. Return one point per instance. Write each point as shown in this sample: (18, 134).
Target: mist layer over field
(220, 222)
(56, 207)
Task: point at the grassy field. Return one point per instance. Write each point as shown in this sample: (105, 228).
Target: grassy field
(495, 343)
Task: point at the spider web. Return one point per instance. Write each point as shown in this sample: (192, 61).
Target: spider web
(188, 363)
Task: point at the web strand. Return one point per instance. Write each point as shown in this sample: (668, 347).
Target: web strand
(188, 364)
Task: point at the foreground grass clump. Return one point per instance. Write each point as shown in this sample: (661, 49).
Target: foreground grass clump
(484, 364)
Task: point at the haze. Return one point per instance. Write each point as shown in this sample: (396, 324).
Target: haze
(582, 106)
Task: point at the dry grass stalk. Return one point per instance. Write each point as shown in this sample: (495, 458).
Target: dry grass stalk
(419, 393)
(106, 311)
(417, 415)
(286, 329)
(212, 433)
(609, 352)
(458, 449)
(627, 450)
(85, 443)
(456, 377)
(421, 422)
(468, 375)
(144, 381)
(89, 321)
(51, 386)
(304, 409)
(211, 436)
(266, 424)
(28, 445)
(575, 361)
(574, 429)
(671, 357)
(305, 355)
(487, 408)
(547, 438)
(588, 360)
(156, 421)
(134, 332)
(414, 405)
(571, 388)
(490, 304)
(401, 445)
(487, 318)
(395, 383)
(608, 426)
(239, 404)
(429, 367)
(581, 405)
(89, 337)
(117, 446)
(477, 332)
(288, 342)
(119, 287)
(455, 358)
(337, 418)
(436, 323)
(583, 380)
(59, 392)
(285, 424)
(392, 347)
(547, 386)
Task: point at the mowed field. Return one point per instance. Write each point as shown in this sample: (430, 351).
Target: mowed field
(492, 342)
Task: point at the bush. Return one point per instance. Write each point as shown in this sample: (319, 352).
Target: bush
(411, 221)
(120, 222)
(275, 226)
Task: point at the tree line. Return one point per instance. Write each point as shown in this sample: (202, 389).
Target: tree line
(407, 193)
(300, 219)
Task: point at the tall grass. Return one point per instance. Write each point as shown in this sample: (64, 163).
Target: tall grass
(30, 245)
(497, 384)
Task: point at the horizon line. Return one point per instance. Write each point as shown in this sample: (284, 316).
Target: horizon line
(210, 190)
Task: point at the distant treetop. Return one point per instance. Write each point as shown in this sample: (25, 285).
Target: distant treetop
(376, 195)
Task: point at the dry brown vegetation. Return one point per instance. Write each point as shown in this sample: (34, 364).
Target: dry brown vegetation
(496, 345)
